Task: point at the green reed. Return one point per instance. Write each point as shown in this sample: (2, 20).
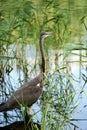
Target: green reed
(21, 22)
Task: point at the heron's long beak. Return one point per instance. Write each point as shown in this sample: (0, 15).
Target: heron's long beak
(50, 33)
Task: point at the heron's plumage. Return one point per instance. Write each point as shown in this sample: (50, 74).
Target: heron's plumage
(25, 95)
(28, 93)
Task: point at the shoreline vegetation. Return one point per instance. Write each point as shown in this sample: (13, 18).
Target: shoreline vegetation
(21, 22)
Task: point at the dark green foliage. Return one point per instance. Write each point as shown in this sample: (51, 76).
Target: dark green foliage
(21, 22)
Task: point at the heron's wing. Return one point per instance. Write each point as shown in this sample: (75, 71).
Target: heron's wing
(27, 94)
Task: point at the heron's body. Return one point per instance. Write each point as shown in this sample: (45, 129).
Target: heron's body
(25, 95)
(29, 93)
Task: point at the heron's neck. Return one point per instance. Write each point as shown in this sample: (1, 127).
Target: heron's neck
(42, 54)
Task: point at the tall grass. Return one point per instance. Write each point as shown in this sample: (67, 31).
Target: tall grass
(21, 22)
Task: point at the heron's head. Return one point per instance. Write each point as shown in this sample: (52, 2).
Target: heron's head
(45, 34)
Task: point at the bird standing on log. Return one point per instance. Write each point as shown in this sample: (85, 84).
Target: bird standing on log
(28, 93)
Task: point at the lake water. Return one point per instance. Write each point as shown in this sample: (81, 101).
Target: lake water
(55, 60)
